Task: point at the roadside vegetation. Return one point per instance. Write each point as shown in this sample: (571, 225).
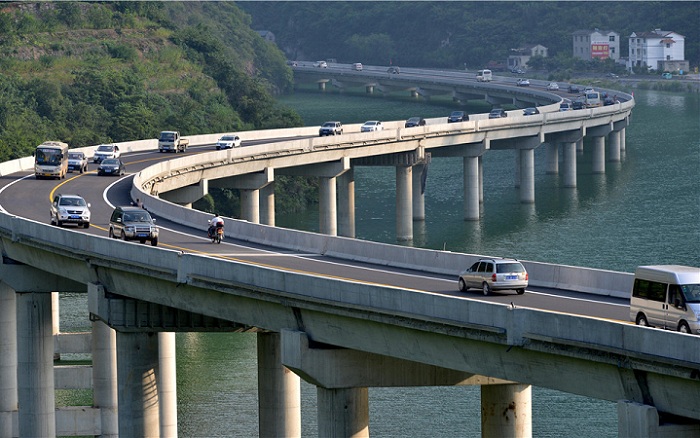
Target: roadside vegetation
(88, 73)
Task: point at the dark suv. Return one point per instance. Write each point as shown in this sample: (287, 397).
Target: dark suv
(133, 223)
(457, 116)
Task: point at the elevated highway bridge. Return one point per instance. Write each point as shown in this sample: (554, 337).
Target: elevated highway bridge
(341, 313)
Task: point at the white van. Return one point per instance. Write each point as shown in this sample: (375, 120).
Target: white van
(667, 296)
(484, 76)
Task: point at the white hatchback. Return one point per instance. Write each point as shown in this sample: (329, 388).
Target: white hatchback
(372, 126)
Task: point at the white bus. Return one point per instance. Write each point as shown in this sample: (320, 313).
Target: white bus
(484, 76)
(51, 160)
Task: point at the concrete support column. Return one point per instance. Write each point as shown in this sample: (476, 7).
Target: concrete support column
(506, 411)
(343, 412)
(137, 367)
(623, 139)
(322, 86)
(598, 154)
(579, 145)
(614, 146)
(481, 179)
(552, 158)
(419, 175)
(527, 175)
(328, 212)
(471, 188)
(516, 182)
(35, 379)
(369, 89)
(346, 204)
(404, 197)
(569, 164)
(250, 205)
(8, 359)
(104, 377)
(267, 205)
(279, 391)
(167, 384)
(414, 94)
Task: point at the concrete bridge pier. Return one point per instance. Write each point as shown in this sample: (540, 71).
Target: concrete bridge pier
(614, 147)
(167, 384)
(420, 175)
(570, 141)
(369, 89)
(137, 377)
(8, 359)
(623, 139)
(279, 391)
(250, 186)
(35, 378)
(343, 412)
(104, 376)
(346, 203)
(327, 200)
(404, 204)
(598, 155)
(506, 410)
(267, 204)
(552, 158)
(471, 186)
(599, 133)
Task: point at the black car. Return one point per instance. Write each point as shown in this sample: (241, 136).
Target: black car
(577, 105)
(530, 111)
(574, 89)
(457, 116)
(608, 101)
(414, 121)
(111, 166)
(497, 113)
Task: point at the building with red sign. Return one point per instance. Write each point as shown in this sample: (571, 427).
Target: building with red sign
(596, 44)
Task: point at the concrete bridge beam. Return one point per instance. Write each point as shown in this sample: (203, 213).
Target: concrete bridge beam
(185, 196)
(642, 421)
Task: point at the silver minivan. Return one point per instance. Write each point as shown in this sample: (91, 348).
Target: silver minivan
(667, 296)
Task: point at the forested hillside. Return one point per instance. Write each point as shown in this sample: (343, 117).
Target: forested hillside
(86, 73)
(452, 34)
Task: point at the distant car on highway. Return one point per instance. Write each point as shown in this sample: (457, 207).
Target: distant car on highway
(228, 141)
(565, 106)
(70, 209)
(497, 113)
(106, 151)
(523, 83)
(321, 64)
(372, 126)
(530, 111)
(357, 66)
(111, 166)
(553, 86)
(457, 116)
(574, 89)
(666, 75)
(77, 161)
(414, 121)
(578, 104)
(494, 274)
(393, 70)
(330, 128)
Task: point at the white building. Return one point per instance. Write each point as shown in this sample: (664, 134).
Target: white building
(520, 57)
(659, 49)
(596, 44)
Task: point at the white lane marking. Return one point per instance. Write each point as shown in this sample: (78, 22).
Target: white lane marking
(11, 184)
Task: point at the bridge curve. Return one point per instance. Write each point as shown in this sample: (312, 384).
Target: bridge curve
(624, 362)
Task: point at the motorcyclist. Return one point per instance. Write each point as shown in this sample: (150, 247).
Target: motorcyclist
(215, 222)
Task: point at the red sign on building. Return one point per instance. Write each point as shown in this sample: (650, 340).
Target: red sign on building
(600, 50)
